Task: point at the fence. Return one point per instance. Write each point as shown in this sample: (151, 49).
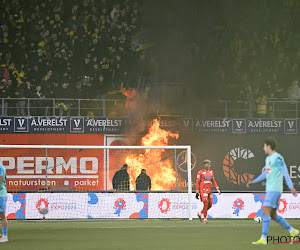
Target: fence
(284, 108)
(66, 107)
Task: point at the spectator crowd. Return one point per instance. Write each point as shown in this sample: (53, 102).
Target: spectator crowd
(83, 49)
(68, 49)
(252, 54)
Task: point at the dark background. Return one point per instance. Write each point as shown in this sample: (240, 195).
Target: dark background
(215, 147)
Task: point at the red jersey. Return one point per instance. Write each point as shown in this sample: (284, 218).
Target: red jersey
(204, 181)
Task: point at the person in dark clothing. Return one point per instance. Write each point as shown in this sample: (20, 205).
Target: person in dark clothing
(119, 73)
(101, 87)
(86, 69)
(39, 107)
(141, 69)
(80, 93)
(121, 179)
(105, 68)
(23, 91)
(4, 93)
(143, 182)
(64, 106)
(35, 76)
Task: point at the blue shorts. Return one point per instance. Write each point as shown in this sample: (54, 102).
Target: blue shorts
(3, 201)
(272, 198)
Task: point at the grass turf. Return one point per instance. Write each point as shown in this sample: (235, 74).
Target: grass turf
(140, 234)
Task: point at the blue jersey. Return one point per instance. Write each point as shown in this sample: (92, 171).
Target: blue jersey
(3, 191)
(275, 169)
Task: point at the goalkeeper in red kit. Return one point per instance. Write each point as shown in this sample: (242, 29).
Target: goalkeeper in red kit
(205, 178)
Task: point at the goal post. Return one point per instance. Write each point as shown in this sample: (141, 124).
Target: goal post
(68, 164)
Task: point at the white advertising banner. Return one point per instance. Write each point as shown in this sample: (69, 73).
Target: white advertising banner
(59, 205)
(229, 205)
(15, 206)
(141, 205)
(117, 205)
(171, 205)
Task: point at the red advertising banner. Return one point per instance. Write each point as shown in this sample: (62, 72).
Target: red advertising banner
(67, 169)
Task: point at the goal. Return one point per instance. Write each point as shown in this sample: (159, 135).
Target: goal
(63, 181)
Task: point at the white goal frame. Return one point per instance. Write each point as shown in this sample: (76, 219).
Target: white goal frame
(185, 147)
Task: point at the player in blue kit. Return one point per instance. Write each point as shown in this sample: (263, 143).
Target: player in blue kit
(3, 199)
(275, 169)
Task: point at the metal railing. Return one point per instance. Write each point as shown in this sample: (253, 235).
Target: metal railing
(162, 100)
(63, 107)
(283, 108)
(276, 108)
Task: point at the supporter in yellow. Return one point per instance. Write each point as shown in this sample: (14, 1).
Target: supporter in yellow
(262, 106)
(42, 44)
(57, 17)
(20, 74)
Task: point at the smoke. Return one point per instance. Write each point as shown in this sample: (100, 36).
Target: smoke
(193, 38)
(183, 38)
(178, 28)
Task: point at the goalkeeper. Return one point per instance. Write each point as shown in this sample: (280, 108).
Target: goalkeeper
(275, 169)
(205, 178)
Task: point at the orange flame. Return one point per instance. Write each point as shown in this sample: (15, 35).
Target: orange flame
(161, 172)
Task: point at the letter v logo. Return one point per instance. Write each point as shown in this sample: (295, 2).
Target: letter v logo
(77, 122)
(239, 124)
(21, 122)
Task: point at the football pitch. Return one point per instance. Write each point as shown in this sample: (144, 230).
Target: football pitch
(140, 234)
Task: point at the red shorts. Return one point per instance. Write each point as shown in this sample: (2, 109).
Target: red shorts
(206, 197)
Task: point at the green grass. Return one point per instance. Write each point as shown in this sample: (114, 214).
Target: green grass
(143, 234)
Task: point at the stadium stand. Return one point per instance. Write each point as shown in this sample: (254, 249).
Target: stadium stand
(46, 45)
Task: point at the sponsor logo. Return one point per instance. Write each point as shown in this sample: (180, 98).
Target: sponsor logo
(62, 206)
(213, 126)
(282, 206)
(77, 125)
(21, 125)
(49, 124)
(294, 206)
(264, 126)
(187, 123)
(164, 205)
(106, 125)
(228, 165)
(42, 203)
(184, 123)
(5, 124)
(239, 126)
(290, 126)
(295, 172)
(35, 167)
(182, 161)
(120, 205)
(238, 205)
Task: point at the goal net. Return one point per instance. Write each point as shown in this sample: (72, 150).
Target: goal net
(51, 181)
